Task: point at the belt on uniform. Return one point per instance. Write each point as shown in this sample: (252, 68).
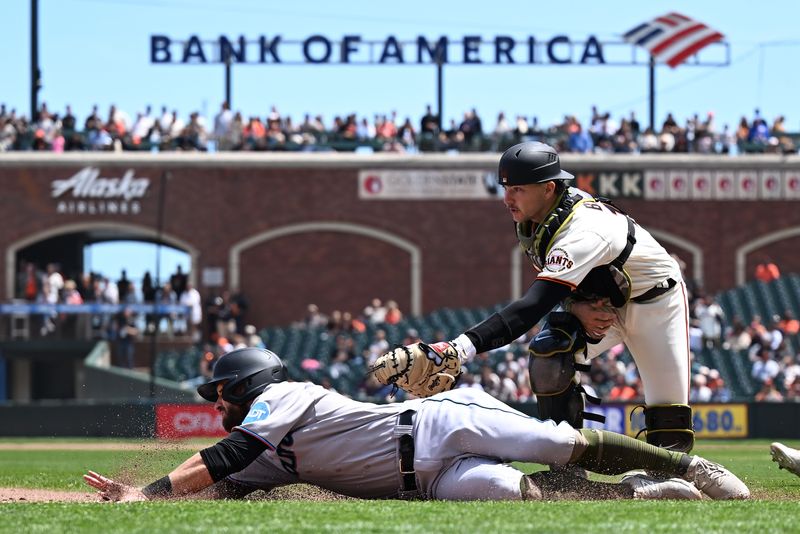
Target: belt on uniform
(656, 291)
(405, 455)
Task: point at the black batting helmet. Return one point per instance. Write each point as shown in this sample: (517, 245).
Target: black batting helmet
(247, 371)
(530, 163)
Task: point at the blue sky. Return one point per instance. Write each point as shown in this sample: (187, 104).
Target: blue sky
(97, 51)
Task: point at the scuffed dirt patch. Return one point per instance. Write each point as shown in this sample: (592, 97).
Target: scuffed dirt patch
(296, 492)
(40, 495)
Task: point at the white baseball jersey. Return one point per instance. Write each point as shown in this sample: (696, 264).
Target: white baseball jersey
(462, 439)
(594, 236)
(655, 332)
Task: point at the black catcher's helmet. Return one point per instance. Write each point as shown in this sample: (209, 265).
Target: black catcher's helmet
(248, 371)
(530, 163)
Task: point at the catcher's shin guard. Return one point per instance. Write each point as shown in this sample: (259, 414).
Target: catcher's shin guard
(552, 370)
(669, 426)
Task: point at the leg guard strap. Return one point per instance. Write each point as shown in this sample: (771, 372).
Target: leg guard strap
(669, 426)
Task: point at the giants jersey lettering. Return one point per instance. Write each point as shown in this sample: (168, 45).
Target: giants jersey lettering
(594, 236)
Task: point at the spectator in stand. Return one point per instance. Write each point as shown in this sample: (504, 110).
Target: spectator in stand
(252, 338)
(790, 369)
(765, 368)
(190, 298)
(767, 270)
(580, 141)
(429, 124)
(699, 391)
(490, 381)
(759, 334)
(406, 134)
(353, 325)
(737, 335)
(768, 392)
(502, 134)
(774, 337)
(788, 324)
(719, 391)
(166, 296)
(52, 286)
(313, 318)
(375, 312)
(149, 297)
(710, 319)
(254, 135)
(123, 287)
(334, 325)
(222, 127)
(393, 313)
(29, 282)
(179, 281)
(621, 391)
(378, 346)
(365, 131)
(793, 393)
(126, 336)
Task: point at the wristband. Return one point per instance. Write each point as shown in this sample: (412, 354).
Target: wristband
(464, 347)
(160, 489)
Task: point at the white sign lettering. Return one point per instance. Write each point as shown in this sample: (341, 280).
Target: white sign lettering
(87, 183)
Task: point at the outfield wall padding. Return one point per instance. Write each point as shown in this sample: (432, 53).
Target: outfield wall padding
(67, 419)
(79, 420)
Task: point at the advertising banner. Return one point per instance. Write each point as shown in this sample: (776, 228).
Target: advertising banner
(709, 420)
(427, 185)
(177, 421)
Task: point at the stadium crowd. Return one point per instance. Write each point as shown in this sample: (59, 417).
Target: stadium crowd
(218, 324)
(599, 133)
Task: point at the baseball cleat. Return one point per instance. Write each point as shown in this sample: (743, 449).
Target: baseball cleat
(646, 487)
(714, 480)
(786, 458)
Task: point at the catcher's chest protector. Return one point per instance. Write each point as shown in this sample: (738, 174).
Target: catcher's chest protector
(605, 281)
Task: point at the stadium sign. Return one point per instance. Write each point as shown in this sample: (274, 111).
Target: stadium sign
(354, 49)
(88, 193)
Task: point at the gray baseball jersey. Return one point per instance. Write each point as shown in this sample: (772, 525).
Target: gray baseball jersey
(462, 439)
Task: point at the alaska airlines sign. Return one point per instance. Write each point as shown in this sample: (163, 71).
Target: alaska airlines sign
(353, 49)
(88, 193)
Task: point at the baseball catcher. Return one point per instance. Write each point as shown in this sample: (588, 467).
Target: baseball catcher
(614, 283)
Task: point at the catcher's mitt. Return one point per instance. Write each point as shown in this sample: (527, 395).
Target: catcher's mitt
(420, 369)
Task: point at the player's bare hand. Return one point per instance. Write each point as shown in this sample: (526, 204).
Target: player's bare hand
(110, 490)
(595, 316)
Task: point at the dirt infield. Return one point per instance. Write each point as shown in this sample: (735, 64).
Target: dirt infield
(39, 495)
(296, 492)
(111, 446)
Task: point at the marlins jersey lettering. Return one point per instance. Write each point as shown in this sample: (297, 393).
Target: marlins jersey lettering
(595, 235)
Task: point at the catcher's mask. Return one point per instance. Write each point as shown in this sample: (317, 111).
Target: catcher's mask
(247, 372)
(530, 163)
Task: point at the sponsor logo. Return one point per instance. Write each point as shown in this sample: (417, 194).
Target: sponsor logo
(558, 260)
(258, 412)
(87, 183)
(175, 421)
(373, 184)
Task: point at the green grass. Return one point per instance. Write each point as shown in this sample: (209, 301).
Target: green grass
(774, 508)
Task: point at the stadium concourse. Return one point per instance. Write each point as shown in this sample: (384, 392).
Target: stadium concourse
(116, 130)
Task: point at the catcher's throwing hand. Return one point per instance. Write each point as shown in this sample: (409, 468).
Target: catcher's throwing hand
(420, 369)
(110, 490)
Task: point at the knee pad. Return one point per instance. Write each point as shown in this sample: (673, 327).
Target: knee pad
(552, 370)
(552, 354)
(669, 426)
